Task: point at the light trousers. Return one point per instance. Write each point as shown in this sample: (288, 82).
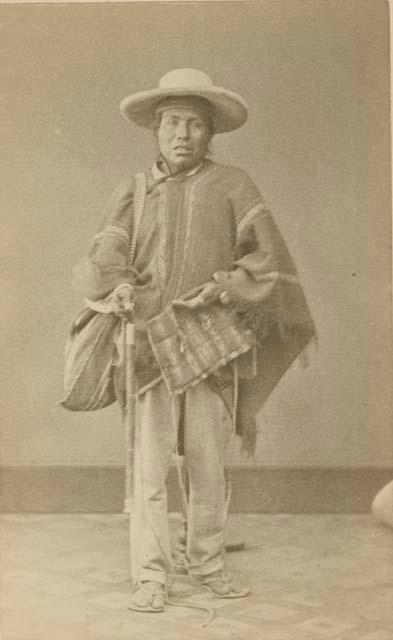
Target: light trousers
(207, 431)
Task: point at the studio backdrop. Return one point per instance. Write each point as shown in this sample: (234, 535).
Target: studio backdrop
(317, 143)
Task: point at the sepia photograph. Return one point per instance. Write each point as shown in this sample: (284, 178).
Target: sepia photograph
(196, 435)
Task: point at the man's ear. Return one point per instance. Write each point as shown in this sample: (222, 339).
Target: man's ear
(209, 147)
(157, 122)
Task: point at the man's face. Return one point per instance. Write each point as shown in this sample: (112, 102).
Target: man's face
(183, 137)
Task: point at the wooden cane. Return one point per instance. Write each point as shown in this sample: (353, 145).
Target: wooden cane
(128, 329)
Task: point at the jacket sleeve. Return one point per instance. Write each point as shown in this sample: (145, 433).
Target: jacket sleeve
(106, 264)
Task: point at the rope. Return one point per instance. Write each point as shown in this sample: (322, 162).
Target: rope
(139, 203)
(210, 611)
(235, 394)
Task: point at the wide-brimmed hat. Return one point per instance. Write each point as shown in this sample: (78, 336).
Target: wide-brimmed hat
(229, 110)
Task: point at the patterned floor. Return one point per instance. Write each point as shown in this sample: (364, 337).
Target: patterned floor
(65, 577)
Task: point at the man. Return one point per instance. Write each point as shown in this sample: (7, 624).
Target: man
(204, 238)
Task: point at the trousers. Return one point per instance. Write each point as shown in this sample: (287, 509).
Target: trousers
(207, 427)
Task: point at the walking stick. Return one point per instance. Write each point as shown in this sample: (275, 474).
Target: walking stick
(128, 330)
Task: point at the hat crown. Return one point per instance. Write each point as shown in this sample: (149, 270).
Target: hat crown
(185, 78)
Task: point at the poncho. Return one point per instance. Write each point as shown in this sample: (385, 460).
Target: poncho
(194, 225)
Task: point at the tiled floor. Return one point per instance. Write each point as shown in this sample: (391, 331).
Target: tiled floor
(65, 577)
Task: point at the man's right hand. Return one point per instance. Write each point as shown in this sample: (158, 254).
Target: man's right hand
(122, 300)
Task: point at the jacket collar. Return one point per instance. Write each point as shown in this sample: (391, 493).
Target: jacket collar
(159, 174)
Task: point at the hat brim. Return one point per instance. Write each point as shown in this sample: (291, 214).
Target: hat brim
(230, 110)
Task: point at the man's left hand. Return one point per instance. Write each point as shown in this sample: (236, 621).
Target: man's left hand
(210, 293)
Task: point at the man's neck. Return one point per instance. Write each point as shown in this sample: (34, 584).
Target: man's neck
(163, 168)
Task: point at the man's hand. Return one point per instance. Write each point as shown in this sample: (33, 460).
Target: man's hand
(210, 292)
(122, 300)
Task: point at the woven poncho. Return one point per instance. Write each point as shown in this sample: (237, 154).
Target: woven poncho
(193, 226)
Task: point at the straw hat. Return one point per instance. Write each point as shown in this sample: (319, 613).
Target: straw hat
(228, 110)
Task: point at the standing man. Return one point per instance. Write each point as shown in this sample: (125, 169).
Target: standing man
(204, 227)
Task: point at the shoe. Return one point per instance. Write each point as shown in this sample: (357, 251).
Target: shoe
(220, 585)
(149, 597)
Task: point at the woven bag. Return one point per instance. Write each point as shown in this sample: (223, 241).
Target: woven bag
(90, 348)
(90, 354)
(190, 344)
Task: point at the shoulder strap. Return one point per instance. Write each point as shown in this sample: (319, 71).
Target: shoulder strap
(138, 206)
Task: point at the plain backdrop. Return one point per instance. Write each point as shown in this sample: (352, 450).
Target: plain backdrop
(315, 74)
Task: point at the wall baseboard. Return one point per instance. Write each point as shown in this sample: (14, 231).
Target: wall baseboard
(255, 489)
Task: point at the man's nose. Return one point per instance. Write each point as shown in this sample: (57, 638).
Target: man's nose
(183, 130)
